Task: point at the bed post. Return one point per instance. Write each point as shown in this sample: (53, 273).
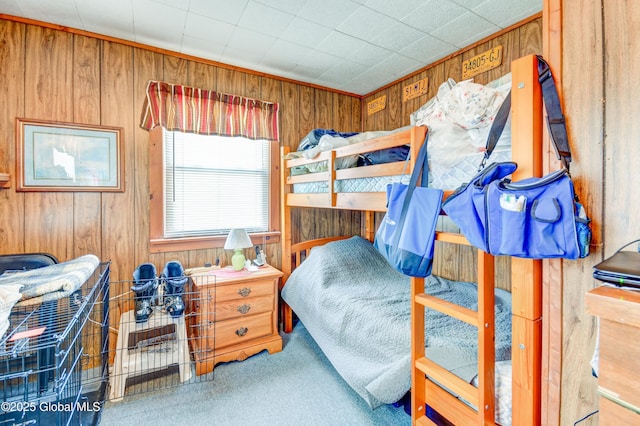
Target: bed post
(526, 275)
(418, 382)
(285, 241)
(369, 225)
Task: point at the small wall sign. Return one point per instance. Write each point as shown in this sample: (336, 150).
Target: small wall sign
(416, 89)
(378, 104)
(485, 61)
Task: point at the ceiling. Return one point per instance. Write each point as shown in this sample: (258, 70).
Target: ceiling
(354, 46)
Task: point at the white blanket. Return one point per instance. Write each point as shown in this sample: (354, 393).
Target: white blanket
(51, 282)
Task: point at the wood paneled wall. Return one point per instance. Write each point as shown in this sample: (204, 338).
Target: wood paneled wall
(600, 53)
(57, 75)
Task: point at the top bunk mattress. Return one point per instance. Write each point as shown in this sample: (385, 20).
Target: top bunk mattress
(459, 118)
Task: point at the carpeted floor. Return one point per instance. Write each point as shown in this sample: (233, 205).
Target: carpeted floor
(297, 387)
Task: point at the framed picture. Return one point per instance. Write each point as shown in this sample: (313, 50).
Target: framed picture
(68, 157)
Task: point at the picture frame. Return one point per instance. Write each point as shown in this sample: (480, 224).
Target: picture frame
(54, 156)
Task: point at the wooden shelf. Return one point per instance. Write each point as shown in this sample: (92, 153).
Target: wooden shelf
(5, 181)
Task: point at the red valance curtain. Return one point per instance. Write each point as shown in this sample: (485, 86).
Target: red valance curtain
(193, 110)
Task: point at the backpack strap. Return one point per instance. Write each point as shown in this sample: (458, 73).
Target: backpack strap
(497, 127)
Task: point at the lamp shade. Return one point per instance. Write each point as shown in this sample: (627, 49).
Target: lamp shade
(237, 239)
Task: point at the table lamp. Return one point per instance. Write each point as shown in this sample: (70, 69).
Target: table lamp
(237, 240)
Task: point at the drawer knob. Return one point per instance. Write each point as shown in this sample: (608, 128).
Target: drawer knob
(243, 309)
(242, 331)
(244, 291)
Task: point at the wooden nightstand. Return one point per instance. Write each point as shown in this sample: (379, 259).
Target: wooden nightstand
(619, 358)
(232, 315)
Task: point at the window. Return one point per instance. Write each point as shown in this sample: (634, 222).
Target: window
(209, 185)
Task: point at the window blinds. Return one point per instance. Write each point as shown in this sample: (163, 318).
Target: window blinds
(213, 184)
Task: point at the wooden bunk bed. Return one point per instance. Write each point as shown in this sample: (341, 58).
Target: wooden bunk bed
(428, 379)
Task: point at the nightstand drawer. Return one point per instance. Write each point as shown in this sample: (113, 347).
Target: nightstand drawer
(239, 330)
(619, 360)
(244, 290)
(243, 307)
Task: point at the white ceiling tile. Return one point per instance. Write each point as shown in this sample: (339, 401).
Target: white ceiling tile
(339, 44)
(395, 9)
(426, 48)
(433, 14)
(11, 7)
(147, 14)
(116, 30)
(399, 65)
(358, 86)
(329, 13)
(365, 23)
(222, 10)
(178, 4)
(173, 45)
(306, 33)
(289, 6)
(62, 12)
(324, 61)
(114, 18)
(495, 12)
(396, 37)
(376, 74)
(248, 44)
(204, 28)
(368, 54)
(264, 19)
(315, 63)
(201, 48)
(284, 55)
(343, 70)
(474, 25)
(305, 72)
(479, 35)
(470, 4)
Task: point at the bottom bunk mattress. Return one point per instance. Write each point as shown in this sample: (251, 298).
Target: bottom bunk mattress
(357, 308)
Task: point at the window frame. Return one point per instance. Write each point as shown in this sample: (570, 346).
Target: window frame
(159, 244)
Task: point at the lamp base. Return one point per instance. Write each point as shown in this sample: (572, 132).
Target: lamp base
(237, 260)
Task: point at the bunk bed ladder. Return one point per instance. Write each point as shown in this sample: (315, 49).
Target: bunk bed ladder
(526, 289)
(429, 379)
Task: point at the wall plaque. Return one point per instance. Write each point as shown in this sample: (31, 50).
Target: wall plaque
(485, 61)
(416, 89)
(378, 104)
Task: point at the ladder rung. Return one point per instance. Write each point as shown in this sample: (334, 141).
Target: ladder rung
(456, 311)
(453, 409)
(455, 384)
(451, 237)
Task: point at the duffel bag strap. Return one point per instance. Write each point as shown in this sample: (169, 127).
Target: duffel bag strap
(555, 118)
